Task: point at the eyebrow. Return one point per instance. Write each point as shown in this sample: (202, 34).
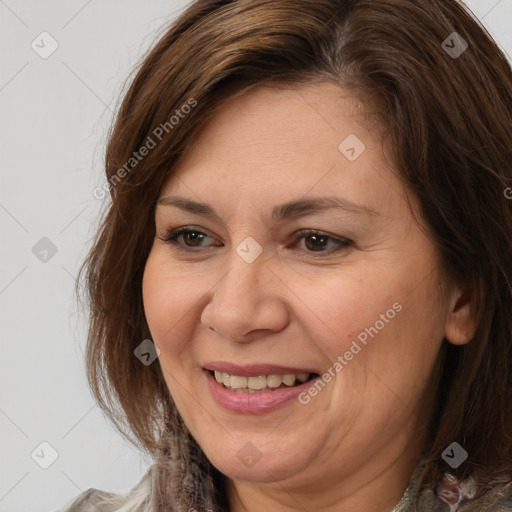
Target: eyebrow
(290, 210)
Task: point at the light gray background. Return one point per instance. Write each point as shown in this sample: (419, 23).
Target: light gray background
(54, 116)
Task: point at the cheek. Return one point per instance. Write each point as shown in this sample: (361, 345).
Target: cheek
(385, 327)
(166, 305)
(337, 311)
(166, 300)
(153, 296)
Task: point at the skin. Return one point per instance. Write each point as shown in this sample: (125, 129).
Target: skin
(355, 445)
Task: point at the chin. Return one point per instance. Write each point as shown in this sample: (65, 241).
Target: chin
(249, 466)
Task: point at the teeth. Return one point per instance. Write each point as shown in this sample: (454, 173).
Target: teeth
(255, 384)
(239, 382)
(289, 380)
(259, 382)
(274, 381)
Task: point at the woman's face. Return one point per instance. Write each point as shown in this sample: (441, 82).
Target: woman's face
(357, 300)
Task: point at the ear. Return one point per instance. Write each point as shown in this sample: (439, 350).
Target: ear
(461, 323)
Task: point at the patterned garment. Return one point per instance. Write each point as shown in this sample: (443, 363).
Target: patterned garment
(449, 496)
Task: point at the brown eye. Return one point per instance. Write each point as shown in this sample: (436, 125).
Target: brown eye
(316, 241)
(191, 238)
(194, 237)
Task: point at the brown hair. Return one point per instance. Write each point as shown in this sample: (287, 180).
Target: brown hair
(448, 120)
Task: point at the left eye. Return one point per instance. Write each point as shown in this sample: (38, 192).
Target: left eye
(318, 240)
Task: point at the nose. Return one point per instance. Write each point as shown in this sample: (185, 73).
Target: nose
(246, 302)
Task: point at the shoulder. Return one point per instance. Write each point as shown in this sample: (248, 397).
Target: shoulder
(94, 500)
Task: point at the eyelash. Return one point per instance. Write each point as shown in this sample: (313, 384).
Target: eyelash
(172, 234)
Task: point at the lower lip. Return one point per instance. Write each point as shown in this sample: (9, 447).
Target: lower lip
(253, 403)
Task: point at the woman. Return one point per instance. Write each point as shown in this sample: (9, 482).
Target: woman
(301, 292)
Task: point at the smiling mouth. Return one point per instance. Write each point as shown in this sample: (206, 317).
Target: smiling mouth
(261, 383)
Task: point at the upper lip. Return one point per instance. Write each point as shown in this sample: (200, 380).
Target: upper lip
(254, 369)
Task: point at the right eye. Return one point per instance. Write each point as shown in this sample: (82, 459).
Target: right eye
(191, 237)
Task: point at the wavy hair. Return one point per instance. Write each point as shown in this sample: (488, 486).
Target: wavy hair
(448, 122)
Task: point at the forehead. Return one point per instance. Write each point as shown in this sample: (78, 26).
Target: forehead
(288, 142)
(276, 117)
